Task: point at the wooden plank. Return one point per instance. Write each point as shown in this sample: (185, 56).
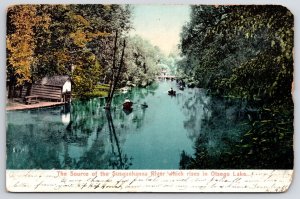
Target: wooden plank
(31, 99)
(47, 92)
(40, 89)
(47, 89)
(42, 86)
(52, 96)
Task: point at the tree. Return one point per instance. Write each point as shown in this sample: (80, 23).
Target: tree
(245, 52)
(224, 45)
(46, 40)
(141, 62)
(116, 72)
(21, 43)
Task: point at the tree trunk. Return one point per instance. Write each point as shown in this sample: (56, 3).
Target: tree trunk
(115, 79)
(108, 99)
(10, 90)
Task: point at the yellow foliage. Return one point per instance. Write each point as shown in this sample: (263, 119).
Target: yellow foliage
(62, 56)
(80, 38)
(21, 43)
(98, 34)
(81, 20)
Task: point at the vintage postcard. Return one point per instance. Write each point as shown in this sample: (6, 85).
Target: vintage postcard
(149, 98)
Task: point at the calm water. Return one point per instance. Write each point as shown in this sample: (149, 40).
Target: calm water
(85, 136)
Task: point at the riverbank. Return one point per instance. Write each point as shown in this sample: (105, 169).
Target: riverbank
(13, 105)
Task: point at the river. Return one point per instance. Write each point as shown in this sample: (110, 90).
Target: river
(85, 136)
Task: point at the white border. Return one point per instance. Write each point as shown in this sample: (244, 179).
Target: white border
(293, 5)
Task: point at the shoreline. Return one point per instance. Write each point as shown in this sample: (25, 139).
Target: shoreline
(18, 106)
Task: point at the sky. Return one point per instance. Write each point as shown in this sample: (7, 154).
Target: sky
(160, 24)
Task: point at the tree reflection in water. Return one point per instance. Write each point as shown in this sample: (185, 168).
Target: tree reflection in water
(213, 124)
(93, 129)
(85, 136)
(117, 160)
(195, 106)
(78, 136)
(238, 134)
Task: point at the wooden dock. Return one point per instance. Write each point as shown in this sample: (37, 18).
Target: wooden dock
(11, 106)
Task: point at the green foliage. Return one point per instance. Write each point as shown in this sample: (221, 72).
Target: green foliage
(142, 60)
(240, 50)
(86, 75)
(245, 52)
(269, 141)
(76, 40)
(98, 91)
(45, 40)
(266, 144)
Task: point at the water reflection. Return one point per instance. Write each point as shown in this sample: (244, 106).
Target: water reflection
(82, 135)
(220, 123)
(196, 108)
(86, 136)
(117, 159)
(66, 115)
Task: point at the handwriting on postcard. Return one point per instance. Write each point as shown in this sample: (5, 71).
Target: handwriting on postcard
(148, 181)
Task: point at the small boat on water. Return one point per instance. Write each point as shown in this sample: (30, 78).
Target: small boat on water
(127, 105)
(172, 92)
(191, 85)
(181, 87)
(144, 105)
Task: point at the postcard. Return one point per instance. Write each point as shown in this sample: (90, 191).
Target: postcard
(149, 98)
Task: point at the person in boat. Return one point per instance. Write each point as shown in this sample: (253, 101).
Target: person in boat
(171, 92)
(127, 104)
(144, 105)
